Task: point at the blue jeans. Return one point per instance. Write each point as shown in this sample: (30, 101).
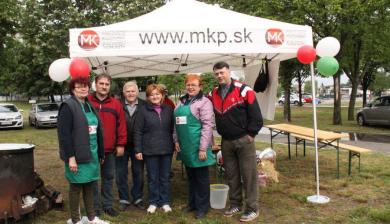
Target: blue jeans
(107, 172)
(121, 173)
(137, 171)
(158, 168)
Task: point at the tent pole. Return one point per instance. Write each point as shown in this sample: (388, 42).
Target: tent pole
(319, 199)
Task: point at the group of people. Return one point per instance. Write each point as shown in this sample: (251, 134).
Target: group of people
(98, 135)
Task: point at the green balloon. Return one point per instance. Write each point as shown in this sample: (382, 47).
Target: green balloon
(327, 66)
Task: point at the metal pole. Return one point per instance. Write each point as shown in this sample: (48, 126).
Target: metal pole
(316, 198)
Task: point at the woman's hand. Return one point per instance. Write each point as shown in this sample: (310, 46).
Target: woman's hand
(177, 147)
(73, 164)
(202, 155)
(139, 156)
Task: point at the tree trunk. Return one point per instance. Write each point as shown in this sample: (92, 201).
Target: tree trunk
(52, 100)
(364, 97)
(286, 107)
(337, 100)
(352, 100)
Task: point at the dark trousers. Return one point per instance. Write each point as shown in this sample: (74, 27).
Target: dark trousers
(107, 171)
(121, 177)
(198, 188)
(239, 158)
(74, 200)
(158, 168)
(137, 171)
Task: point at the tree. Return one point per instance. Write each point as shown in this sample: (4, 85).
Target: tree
(380, 83)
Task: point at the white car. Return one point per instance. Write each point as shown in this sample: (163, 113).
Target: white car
(294, 99)
(10, 116)
(43, 115)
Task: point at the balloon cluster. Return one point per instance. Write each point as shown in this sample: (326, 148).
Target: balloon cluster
(61, 69)
(326, 48)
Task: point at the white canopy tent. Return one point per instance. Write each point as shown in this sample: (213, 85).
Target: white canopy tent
(186, 36)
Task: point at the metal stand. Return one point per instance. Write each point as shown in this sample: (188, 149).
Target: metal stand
(319, 199)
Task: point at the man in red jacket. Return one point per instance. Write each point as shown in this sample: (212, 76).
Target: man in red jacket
(238, 119)
(112, 116)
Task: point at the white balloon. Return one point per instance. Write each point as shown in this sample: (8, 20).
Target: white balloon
(59, 69)
(328, 46)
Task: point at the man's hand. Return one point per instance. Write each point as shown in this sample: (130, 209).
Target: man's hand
(73, 164)
(202, 155)
(250, 138)
(120, 150)
(139, 156)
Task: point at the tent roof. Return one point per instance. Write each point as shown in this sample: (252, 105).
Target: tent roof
(185, 36)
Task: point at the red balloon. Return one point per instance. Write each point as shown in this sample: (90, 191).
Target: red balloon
(79, 68)
(306, 54)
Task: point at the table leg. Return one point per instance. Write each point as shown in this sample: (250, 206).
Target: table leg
(338, 159)
(304, 147)
(271, 138)
(349, 162)
(289, 150)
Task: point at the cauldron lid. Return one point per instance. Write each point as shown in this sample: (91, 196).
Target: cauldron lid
(15, 146)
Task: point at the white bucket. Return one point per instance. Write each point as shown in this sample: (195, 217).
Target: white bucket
(218, 195)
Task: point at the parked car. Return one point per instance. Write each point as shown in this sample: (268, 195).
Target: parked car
(309, 99)
(376, 112)
(294, 99)
(43, 115)
(10, 116)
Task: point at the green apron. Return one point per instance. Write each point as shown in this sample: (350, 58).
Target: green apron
(87, 172)
(188, 131)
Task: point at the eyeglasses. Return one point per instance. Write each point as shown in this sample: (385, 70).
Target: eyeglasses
(81, 87)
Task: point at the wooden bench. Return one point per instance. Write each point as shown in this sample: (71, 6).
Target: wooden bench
(352, 150)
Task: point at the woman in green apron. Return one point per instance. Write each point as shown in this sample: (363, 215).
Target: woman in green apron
(194, 122)
(81, 148)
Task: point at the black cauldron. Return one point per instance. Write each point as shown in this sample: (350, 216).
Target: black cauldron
(16, 177)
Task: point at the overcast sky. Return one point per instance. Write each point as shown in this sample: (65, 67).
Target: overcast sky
(329, 81)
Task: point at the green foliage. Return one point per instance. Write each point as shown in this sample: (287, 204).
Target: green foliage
(380, 83)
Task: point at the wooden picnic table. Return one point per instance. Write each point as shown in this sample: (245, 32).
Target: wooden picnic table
(327, 138)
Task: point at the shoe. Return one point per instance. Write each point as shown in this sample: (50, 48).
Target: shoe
(249, 216)
(111, 212)
(188, 209)
(96, 220)
(166, 208)
(123, 206)
(139, 204)
(232, 211)
(151, 209)
(200, 215)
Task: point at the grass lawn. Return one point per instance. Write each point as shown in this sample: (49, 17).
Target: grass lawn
(362, 198)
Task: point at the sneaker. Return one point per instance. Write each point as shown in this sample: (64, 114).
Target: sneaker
(139, 204)
(96, 220)
(111, 212)
(232, 211)
(249, 216)
(151, 209)
(123, 206)
(166, 208)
